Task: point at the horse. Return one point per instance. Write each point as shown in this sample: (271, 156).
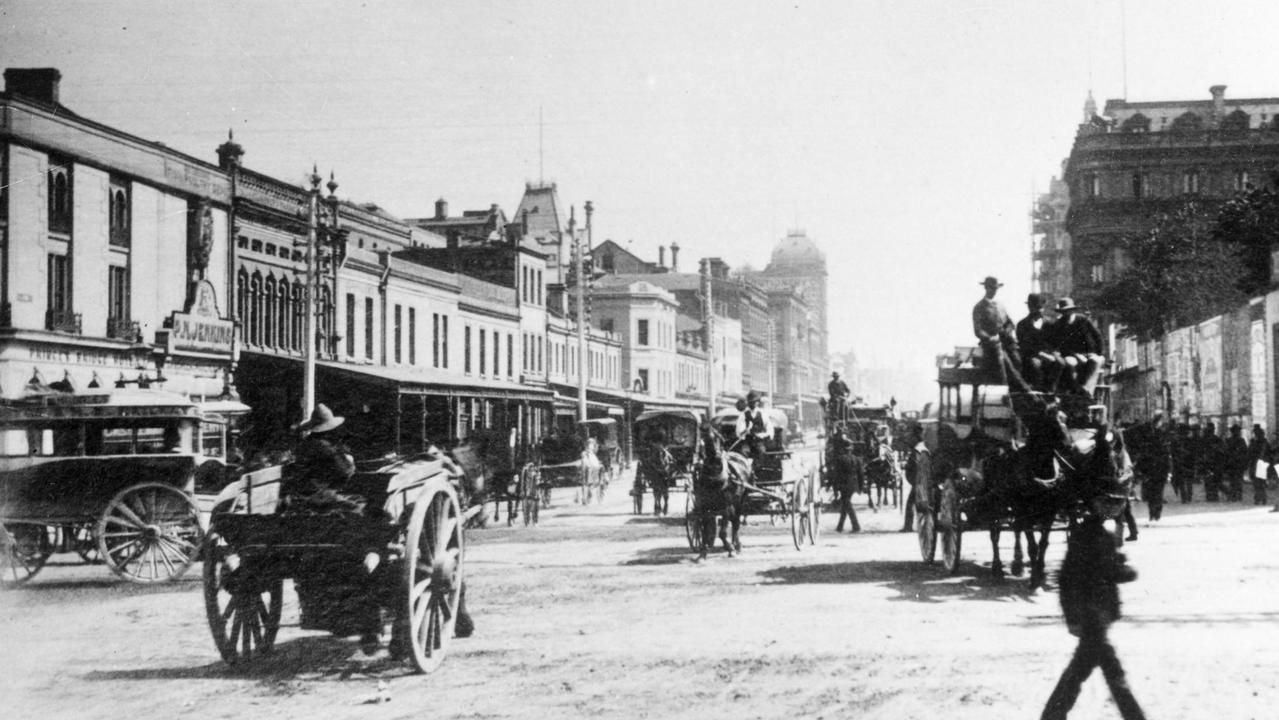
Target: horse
(657, 468)
(719, 486)
(883, 476)
(1052, 474)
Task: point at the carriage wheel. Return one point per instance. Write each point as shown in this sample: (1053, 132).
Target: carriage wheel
(798, 518)
(950, 527)
(24, 549)
(433, 574)
(529, 493)
(149, 532)
(814, 511)
(692, 523)
(926, 530)
(243, 609)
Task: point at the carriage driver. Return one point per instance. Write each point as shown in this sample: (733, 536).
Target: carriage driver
(753, 426)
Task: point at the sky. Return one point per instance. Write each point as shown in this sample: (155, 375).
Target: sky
(907, 138)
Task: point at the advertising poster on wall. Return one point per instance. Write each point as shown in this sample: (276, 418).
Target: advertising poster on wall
(1209, 346)
(1257, 369)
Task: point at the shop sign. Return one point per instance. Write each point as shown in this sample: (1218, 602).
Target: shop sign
(201, 327)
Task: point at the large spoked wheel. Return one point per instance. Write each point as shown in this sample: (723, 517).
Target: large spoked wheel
(949, 527)
(814, 510)
(798, 518)
(432, 574)
(149, 533)
(243, 608)
(529, 493)
(926, 531)
(24, 549)
(692, 523)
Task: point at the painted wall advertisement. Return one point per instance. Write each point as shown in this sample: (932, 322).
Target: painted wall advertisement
(1209, 346)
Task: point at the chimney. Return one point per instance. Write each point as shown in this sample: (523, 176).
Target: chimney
(674, 257)
(441, 209)
(1218, 103)
(661, 256)
(230, 153)
(40, 84)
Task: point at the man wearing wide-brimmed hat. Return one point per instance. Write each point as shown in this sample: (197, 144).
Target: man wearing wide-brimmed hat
(998, 337)
(319, 464)
(1078, 341)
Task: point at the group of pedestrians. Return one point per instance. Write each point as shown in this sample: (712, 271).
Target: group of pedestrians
(1188, 454)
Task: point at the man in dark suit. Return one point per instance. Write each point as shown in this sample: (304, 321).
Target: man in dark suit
(1078, 341)
(1039, 364)
(998, 338)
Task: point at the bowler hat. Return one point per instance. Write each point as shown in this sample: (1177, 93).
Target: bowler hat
(1035, 300)
(322, 420)
(1065, 304)
(991, 281)
(751, 397)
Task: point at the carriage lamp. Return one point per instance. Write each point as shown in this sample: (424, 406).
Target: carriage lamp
(371, 560)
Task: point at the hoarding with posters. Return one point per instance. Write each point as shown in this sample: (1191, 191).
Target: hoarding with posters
(1209, 347)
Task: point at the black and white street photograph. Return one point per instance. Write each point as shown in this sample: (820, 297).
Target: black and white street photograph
(882, 359)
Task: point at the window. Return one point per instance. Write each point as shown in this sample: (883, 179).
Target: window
(642, 333)
(539, 287)
(524, 283)
(298, 324)
(435, 339)
(606, 324)
(466, 349)
(117, 300)
(350, 324)
(483, 351)
(444, 340)
(1097, 273)
(59, 292)
(412, 336)
(642, 379)
(497, 353)
(282, 310)
(1141, 185)
(118, 214)
(268, 314)
(399, 334)
(525, 345)
(255, 309)
(1092, 185)
(369, 319)
(510, 355)
(1241, 180)
(1190, 182)
(59, 196)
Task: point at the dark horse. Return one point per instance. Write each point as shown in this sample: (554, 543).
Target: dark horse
(1027, 489)
(719, 484)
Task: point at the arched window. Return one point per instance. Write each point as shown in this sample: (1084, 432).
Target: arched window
(1190, 182)
(299, 319)
(242, 303)
(269, 314)
(282, 315)
(255, 309)
(59, 198)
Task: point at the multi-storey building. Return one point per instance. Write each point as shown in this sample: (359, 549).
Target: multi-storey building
(115, 255)
(1050, 243)
(1138, 159)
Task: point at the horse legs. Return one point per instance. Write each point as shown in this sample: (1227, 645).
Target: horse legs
(707, 539)
(1019, 563)
(996, 564)
(723, 533)
(735, 518)
(1038, 573)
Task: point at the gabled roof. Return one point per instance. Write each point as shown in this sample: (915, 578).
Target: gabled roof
(542, 203)
(666, 281)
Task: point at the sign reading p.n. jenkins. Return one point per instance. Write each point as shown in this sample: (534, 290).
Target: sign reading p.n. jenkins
(201, 327)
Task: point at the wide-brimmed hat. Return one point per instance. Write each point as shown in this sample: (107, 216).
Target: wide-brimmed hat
(992, 281)
(1065, 304)
(322, 420)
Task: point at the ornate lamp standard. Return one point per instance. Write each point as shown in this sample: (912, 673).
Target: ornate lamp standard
(325, 250)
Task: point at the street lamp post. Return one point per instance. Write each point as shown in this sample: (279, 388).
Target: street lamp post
(708, 322)
(579, 266)
(324, 240)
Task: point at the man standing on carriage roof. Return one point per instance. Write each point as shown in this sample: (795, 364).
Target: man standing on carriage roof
(997, 335)
(839, 393)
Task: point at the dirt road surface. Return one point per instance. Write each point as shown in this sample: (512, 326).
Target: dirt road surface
(600, 613)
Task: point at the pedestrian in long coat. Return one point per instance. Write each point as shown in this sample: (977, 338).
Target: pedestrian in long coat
(1183, 464)
(1237, 457)
(919, 471)
(1212, 461)
(1152, 451)
(1258, 459)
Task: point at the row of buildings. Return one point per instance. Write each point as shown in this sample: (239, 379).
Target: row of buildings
(128, 263)
(1131, 162)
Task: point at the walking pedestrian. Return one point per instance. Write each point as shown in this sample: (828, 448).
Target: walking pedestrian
(919, 470)
(1236, 464)
(1183, 463)
(1152, 455)
(1258, 464)
(1089, 583)
(849, 476)
(1212, 456)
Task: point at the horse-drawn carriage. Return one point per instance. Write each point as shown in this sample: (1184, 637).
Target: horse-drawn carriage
(571, 461)
(608, 449)
(399, 558)
(503, 471)
(669, 448)
(774, 483)
(109, 475)
(867, 432)
(1002, 460)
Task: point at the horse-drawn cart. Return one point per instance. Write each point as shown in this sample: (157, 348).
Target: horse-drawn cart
(667, 445)
(570, 461)
(108, 475)
(608, 449)
(400, 558)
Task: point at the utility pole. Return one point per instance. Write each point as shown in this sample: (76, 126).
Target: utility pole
(310, 296)
(708, 325)
(581, 313)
